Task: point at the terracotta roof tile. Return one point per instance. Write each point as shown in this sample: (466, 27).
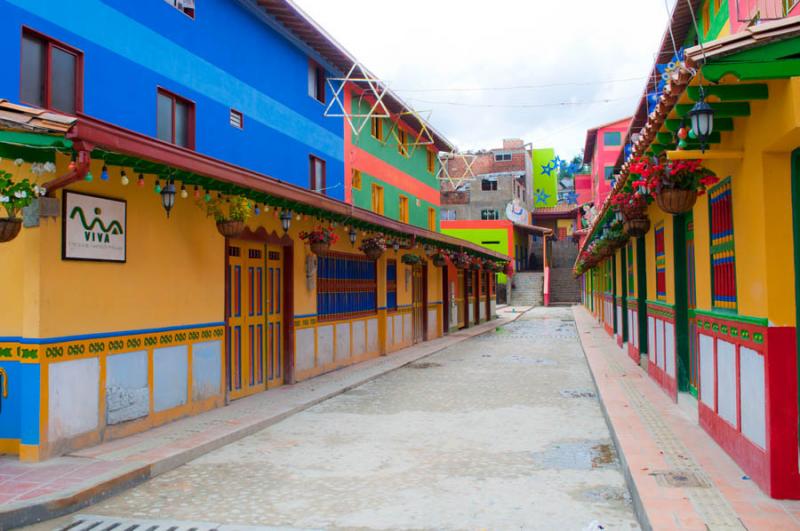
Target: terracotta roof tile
(32, 120)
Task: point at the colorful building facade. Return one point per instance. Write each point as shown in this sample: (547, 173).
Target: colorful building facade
(128, 307)
(604, 144)
(707, 300)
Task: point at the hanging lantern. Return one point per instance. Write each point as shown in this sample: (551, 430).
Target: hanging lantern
(396, 246)
(104, 173)
(702, 117)
(167, 196)
(352, 234)
(286, 219)
(123, 179)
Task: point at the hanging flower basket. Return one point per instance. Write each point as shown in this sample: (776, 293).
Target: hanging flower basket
(675, 201)
(439, 260)
(430, 251)
(462, 260)
(230, 228)
(636, 227)
(9, 229)
(320, 239)
(373, 246)
(508, 269)
(410, 259)
(319, 247)
(476, 264)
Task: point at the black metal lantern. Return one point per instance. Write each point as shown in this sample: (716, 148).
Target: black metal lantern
(353, 235)
(168, 196)
(286, 219)
(702, 118)
(396, 246)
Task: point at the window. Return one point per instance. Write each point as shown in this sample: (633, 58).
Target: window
(502, 156)
(723, 262)
(316, 171)
(489, 184)
(391, 285)
(489, 213)
(661, 263)
(376, 128)
(431, 161)
(631, 273)
(236, 119)
(346, 286)
(608, 173)
(612, 138)
(51, 74)
(431, 219)
(316, 81)
(402, 142)
(377, 199)
(356, 180)
(184, 6)
(403, 214)
(175, 119)
(447, 214)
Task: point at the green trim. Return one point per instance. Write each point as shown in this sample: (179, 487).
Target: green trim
(614, 289)
(624, 296)
(720, 124)
(35, 140)
(641, 292)
(681, 277)
(752, 91)
(661, 304)
(730, 316)
(732, 109)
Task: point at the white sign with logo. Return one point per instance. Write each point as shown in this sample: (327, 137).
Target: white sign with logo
(516, 212)
(95, 228)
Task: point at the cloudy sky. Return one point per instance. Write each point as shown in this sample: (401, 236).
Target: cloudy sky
(480, 65)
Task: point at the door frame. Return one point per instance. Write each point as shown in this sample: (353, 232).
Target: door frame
(445, 301)
(268, 239)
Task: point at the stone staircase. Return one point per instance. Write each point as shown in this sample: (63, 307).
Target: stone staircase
(528, 289)
(564, 287)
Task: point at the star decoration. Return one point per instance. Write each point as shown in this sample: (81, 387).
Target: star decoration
(557, 162)
(542, 197)
(571, 198)
(456, 180)
(547, 169)
(371, 86)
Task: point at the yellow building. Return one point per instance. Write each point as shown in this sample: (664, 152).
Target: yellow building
(707, 300)
(118, 317)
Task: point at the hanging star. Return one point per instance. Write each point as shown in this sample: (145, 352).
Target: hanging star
(542, 197)
(547, 169)
(371, 86)
(557, 161)
(466, 160)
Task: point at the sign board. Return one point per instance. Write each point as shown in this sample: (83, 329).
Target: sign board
(516, 213)
(94, 228)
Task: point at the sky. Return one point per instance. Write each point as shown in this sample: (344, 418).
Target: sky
(465, 60)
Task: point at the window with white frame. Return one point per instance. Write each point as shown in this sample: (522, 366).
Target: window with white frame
(502, 156)
(489, 214)
(447, 214)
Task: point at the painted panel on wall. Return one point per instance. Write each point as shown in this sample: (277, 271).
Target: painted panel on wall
(170, 377)
(726, 381)
(127, 390)
(433, 325)
(407, 327)
(324, 345)
(359, 339)
(651, 335)
(372, 335)
(304, 353)
(73, 402)
(342, 341)
(754, 424)
(660, 343)
(669, 348)
(706, 345)
(206, 369)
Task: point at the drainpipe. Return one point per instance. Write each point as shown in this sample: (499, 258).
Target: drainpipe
(545, 262)
(82, 161)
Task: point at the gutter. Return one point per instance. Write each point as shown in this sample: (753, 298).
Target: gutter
(82, 162)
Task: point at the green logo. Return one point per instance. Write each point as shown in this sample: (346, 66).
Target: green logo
(90, 234)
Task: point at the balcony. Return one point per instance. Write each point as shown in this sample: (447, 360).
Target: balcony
(763, 10)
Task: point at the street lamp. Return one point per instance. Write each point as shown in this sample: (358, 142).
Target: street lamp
(702, 118)
(286, 219)
(168, 196)
(353, 235)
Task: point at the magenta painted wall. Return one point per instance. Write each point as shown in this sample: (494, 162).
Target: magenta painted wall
(583, 187)
(769, 8)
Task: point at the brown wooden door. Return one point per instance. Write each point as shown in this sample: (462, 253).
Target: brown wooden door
(461, 299)
(275, 312)
(418, 303)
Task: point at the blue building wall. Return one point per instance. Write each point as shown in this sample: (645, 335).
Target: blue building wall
(223, 58)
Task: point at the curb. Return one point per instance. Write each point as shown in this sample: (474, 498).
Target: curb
(636, 499)
(60, 506)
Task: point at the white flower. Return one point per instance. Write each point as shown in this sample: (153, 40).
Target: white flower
(22, 194)
(4, 199)
(19, 162)
(49, 167)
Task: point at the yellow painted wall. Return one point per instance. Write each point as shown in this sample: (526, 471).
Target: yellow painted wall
(17, 274)
(656, 216)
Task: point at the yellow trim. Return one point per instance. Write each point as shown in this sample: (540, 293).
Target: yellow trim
(29, 453)
(708, 155)
(355, 181)
(4, 375)
(9, 446)
(403, 210)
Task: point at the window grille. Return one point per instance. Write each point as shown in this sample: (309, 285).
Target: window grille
(723, 262)
(661, 264)
(391, 285)
(346, 286)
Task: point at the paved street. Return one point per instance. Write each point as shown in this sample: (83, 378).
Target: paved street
(502, 431)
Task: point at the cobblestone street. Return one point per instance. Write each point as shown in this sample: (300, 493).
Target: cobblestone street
(503, 431)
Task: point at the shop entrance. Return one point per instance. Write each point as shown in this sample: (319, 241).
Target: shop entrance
(418, 303)
(254, 308)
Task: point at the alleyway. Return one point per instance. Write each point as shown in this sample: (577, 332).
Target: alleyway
(502, 431)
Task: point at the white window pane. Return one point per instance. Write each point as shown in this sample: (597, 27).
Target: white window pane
(32, 80)
(164, 118)
(62, 81)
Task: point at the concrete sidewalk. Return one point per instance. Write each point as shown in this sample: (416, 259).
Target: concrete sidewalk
(678, 476)
(32, 492)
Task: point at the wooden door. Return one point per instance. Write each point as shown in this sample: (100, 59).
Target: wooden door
(461, 299)
(275, 312)
(691, 299)
(418, 302)
(246, 318)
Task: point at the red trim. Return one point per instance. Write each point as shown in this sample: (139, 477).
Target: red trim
(312, 175)
(49, 43)
(372, 165)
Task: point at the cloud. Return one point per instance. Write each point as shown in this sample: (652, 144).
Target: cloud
(421, 47)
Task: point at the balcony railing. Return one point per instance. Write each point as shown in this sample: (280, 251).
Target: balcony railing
(763, 10)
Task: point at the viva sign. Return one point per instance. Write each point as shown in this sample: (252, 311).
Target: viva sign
(94, 228)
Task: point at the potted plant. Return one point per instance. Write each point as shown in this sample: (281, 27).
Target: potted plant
(230, 221)
(508, 269)
(320, 239)
(14, 196)
(632, 206)
(676, 187)
(373, 246)
(430, 251)
(476, 264)
(440, 259)
(461, 260)
(410, 259)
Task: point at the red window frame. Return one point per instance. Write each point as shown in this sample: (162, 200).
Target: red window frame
(312, 174)
(319, 81)
(190, 141)
(49, 44)
(238, 114)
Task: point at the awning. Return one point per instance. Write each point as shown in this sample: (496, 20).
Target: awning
(533, 229)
